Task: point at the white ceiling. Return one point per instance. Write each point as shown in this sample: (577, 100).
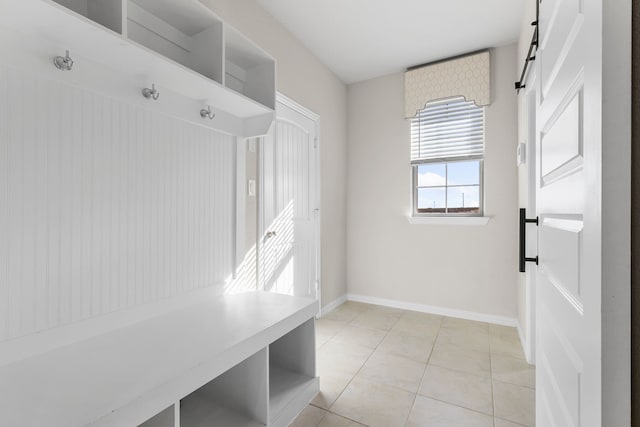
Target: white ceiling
(363, 39)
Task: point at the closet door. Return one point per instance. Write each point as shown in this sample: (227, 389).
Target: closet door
(290, 215)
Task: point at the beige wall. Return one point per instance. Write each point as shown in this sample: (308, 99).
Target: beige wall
(303, 78)
(472, 268)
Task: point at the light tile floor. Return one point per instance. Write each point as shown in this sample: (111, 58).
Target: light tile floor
(381, 366)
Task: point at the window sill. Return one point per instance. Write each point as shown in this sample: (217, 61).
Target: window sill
(448, 220)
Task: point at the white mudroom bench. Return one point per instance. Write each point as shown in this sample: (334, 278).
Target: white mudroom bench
(228, 360)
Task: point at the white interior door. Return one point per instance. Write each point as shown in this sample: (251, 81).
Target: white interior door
(568, 297)
(290, 210)
(574, 149)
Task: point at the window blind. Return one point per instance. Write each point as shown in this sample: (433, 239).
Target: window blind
(452, 129)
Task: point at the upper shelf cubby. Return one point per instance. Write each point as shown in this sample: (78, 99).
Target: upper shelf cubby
(181, 30)
(180, 46)
(107, 13)
(248, 69)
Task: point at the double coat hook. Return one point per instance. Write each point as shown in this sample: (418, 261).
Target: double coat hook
(63, 63)
(151, 93)
(207, 113)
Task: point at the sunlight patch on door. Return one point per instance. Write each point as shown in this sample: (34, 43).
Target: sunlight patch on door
(277, 254)
(284, 282)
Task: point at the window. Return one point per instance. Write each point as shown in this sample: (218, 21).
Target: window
(447, 151)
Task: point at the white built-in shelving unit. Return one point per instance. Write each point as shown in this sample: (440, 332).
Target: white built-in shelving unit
(217, 360)
(231, 360)
(179, 45)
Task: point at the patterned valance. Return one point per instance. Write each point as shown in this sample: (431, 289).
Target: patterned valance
(467, 76)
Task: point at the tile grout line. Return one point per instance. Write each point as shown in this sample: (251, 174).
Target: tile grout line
(459, 406)
(463, 372)
(358, 371)
(493, 416)
(459, 347)
(438, 335)
(415, 396)
(387, 332)
(456, 404)
(493, 380)
(354, 375)
(328, 412)
(426, 365)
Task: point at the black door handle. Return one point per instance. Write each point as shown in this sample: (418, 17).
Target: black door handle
(523, 239)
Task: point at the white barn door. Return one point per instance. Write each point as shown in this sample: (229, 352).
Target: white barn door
(573, 385)
(290, 209)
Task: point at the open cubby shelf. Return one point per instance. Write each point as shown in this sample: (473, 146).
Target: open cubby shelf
(179, 45)
(292, 365)
(183, 32)
(199, 412)
(238, 397)
(268, 388)
(284, 387)
(165, 418)
(248, 70)
(107, 13)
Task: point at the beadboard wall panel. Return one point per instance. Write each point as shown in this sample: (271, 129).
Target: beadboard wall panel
(104, 205)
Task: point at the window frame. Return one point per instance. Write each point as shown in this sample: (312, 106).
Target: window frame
(480, 184)
(448, 160)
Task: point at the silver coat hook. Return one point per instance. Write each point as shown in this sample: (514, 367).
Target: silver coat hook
(151, 93)
(63, 63)
(207, 113)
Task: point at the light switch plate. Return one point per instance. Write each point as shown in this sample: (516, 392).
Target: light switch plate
(521, 154)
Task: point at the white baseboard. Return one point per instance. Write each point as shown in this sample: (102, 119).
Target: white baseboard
(332, 305)
(441, 311)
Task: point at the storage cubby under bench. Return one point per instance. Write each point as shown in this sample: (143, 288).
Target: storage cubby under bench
(231, 360)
